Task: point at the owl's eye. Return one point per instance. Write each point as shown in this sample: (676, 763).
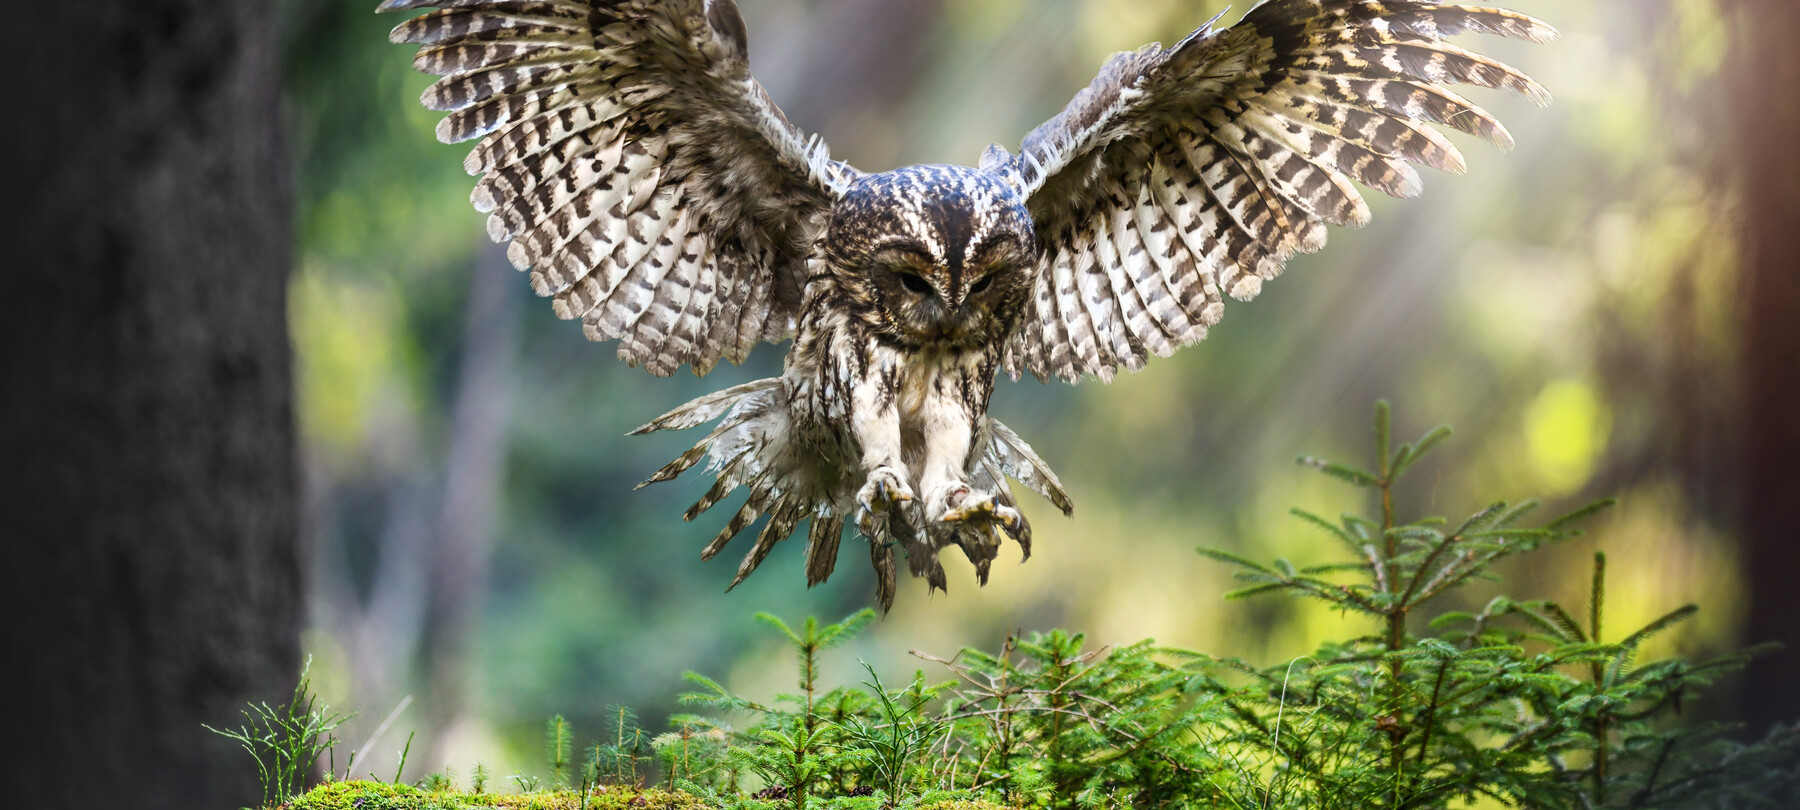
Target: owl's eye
(981, 286)
(914, 283)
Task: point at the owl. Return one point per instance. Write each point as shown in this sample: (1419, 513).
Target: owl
(653, 191)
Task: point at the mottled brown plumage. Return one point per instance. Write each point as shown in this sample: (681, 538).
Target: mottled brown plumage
(655, 192)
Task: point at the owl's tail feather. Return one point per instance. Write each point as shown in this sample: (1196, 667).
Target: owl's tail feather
(754, 446)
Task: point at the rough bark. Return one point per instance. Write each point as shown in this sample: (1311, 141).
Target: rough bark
(1765, 69)
(147, 471)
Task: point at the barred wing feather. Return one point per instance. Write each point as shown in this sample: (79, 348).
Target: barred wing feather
(648, 183)
(1181, 176)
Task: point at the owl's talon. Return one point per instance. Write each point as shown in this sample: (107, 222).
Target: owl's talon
(984, 507)
(885, 487)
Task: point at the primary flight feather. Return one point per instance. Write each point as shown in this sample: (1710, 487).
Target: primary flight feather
(655, 192)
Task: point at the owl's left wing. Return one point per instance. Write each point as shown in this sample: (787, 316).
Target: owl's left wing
(644, 177)
(1182, 175)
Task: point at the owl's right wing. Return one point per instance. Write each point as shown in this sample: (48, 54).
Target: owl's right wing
(1183, 175)
(645, 178)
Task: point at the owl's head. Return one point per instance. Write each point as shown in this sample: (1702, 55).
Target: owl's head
(936, 256)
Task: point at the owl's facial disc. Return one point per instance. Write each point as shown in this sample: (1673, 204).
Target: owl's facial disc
(941, 254)
(936, 303)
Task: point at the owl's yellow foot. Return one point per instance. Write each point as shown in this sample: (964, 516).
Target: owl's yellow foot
(965, 505)
(885, 487)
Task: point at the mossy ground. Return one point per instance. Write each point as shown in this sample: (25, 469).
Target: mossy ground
(385, 796)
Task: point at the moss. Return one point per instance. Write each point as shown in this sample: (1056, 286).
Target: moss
(384, 796)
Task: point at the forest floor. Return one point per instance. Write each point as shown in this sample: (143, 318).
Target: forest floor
(388, 796)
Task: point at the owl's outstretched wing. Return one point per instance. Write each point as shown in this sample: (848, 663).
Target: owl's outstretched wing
(646, 180)
(1183, 175)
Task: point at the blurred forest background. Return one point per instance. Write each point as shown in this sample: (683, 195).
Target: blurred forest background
(1605, 312)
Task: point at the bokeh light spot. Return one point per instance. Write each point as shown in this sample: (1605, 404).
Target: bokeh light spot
(1566, 427)
(345, 341)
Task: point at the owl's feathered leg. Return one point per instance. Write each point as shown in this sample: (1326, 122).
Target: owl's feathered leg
(875, 421)
(793, 474)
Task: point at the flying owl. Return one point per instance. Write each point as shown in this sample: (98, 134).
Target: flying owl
(653, 190)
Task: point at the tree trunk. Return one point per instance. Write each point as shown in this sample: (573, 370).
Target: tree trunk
(1765, 70)
(147, 467)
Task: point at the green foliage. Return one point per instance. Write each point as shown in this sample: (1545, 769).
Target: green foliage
(559, 748)
(1523, 703)
(894, 740)
(405, 751)
(691, 754)
(809, 642)
(624, 749)
(286, 741)
(796, 744)
(442, 781)
(527, 783)
(794, 761)
(1519, 703)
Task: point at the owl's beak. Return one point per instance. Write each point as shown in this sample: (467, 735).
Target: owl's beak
(953, 325)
